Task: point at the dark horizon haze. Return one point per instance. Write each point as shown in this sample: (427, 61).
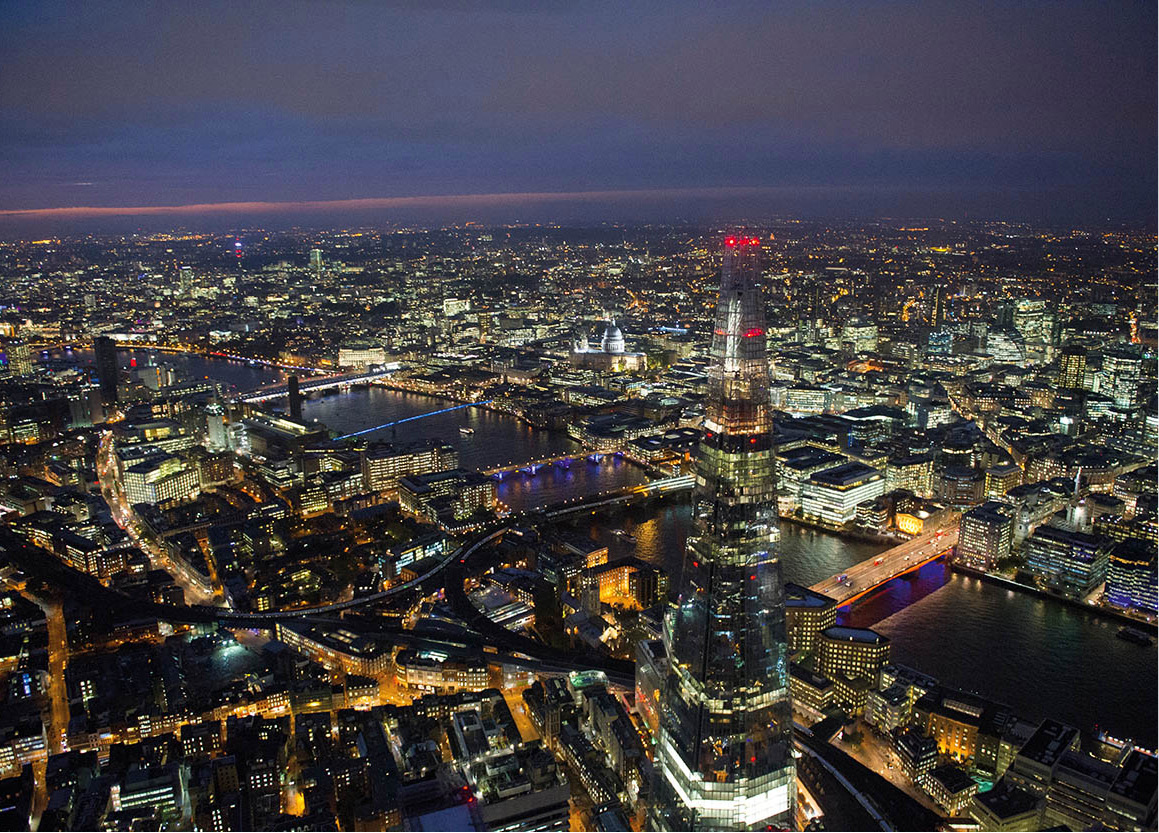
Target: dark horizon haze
(503, 111)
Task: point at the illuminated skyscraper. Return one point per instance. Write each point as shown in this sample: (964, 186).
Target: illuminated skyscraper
(1072, 366)
(16, 357)
(185, 280)
(724, 760)
(1120, 376)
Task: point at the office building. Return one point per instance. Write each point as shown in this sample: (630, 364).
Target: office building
(1071, 563)
(913, 472)
(1000, 479)
(1006, 808)
(163, 479)
(1033, 767)
(1072, 366)
(215, 428)
(986, 533)
(108, 369)
(17, 357)
(807, 613)
(1131, 575)
(725, 753)
(1119, 378)
(918, 754)
(951, 788)
(448, 498)
(294, 399)
(852, 658)
(830, 497)
(812, 693)
(1028, 320)
(859, 336)
(1077, 795)
(360, 356)
(1130, 804)
(383, 464)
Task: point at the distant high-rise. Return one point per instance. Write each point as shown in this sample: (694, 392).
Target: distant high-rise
(1120, 376)
(316, 261)
(108, 369)
(1072, 366)
(724, 759)
(185, 280)
(939, 314)
(295, 398)
(17, 357)
(216, 438)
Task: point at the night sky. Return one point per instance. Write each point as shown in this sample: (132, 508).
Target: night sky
(965, 109)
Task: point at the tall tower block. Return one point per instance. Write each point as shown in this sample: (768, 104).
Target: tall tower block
(724, 760)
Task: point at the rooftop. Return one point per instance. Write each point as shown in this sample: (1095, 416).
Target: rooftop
(863, 635)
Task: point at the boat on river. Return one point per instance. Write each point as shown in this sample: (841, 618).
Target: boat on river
(1135, 635)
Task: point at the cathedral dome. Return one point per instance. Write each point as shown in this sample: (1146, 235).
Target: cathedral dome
(613, 339)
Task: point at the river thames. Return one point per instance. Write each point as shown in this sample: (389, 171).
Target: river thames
(1042, 658)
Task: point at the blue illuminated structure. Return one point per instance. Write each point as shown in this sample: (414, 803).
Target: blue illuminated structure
(412, 418)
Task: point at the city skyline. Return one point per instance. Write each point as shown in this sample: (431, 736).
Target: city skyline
(523, 415)
(427, 492)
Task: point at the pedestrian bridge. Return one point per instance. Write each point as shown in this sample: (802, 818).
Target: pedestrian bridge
(561, 461)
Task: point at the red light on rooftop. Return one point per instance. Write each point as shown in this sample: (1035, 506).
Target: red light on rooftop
(755, 331)
(730, 241)
(756, 241)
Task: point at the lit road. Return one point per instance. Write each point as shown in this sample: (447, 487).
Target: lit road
(875, 753)
(56, 725)
(872, 572)
(127, 520)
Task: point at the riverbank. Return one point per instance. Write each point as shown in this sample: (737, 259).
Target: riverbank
(844, 532)
(1011, 584)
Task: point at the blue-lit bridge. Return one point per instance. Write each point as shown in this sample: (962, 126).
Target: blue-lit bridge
(395, 422)
(563, 461)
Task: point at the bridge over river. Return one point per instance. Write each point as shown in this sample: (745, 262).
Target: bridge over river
(312, 385)
(850, 585)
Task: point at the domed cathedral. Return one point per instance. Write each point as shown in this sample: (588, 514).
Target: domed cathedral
(613, 341)
(610, 355)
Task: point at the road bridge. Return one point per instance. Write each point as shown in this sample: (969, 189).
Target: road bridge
(281, 390)
(933, 543)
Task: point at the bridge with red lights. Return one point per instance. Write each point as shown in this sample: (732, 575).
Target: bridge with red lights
(931, 544)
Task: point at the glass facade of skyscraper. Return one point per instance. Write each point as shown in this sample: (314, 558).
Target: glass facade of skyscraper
(725, 750)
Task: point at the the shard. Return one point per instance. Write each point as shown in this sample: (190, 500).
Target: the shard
(724, 758)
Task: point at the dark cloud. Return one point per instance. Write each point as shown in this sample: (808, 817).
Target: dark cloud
(175, 103)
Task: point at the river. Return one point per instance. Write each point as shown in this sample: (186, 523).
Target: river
(1040, 657)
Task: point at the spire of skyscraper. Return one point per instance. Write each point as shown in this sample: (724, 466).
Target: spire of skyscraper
(724, 760)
